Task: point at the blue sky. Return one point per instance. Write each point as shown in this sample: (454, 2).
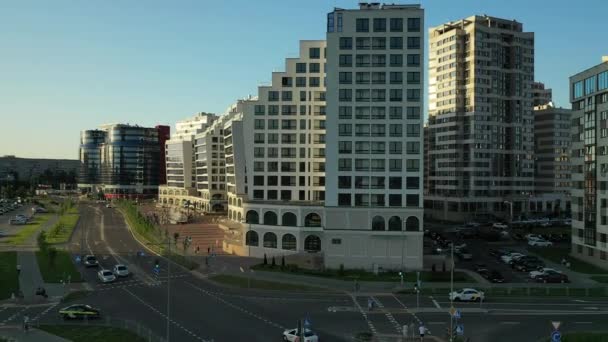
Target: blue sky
(72, 65)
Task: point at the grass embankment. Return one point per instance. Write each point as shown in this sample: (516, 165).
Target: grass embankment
(244, 282)
(55, 264)
(62, 230)
(600, 278)
(89, 333)
(556, 254)
(362, 275)
(28, 230)
(151, 234)
(9, 280)
(582, 337)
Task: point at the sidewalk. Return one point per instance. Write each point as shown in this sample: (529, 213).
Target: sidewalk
(31, 278)
(16, 333)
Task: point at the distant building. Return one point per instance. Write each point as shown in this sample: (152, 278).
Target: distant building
(589, 157)
(122, 161)
(541, 95)
(29, 169)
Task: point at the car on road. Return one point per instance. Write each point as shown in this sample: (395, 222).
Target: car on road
(79, 311)
(17, 221)
(106, 276)
(528, 264)
(464, 254)
(467, 295)
(533, 236)
(91, 261)
(539, 243)
(39, 210)
(121, 270)
(108, 205)
(291, 335)
(541, 271)
(552, 277)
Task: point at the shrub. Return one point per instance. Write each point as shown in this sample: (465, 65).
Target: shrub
(265, 259)
(274, 263)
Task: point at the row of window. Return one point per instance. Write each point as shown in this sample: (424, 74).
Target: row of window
(287, 124)
(590, 85)
(286, 138)
(377, 60)
(286, 195)
(395, 113)
(380, 24)
(286, 181)
(377, 182)
(378, 130)
(395, 77)
(313, 68)
(288, 152)
(378, 95)
(377, 200)
(378, 43)
(289, 110)
(273, 166)
(378, 165)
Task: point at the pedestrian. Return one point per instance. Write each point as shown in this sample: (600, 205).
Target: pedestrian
(422, 331)
(370, 304)
(18, 270)
(26, 323)
(563, 261)
(208, 250)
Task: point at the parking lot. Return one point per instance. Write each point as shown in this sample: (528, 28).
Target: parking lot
(8, 228)
(479, 248)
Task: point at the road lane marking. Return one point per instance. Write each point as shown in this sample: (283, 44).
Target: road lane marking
(435, 302)
(411, 313)
(583, 322)
(165, 317)
(371, 326)
(388, 315)
(102, 229)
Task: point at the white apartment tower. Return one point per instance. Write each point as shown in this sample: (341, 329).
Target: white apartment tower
(374, 132)
(481, 71)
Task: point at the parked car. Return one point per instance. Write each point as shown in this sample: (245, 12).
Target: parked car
(467, 295)
(499, 225)
(79, 311)
(480, 267)
(106, 276)
(539, 243)
(108, 205)
(533, 236)
(528, 265)
(90, 261)
(552, 277)
(292, 335)
(121, 270)
(506, 258)
(464, 254)
(495, 277)
(541, 271)
(17, 221)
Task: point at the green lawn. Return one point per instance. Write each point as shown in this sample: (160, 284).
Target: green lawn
(244, 282)
(583, 337)
(362, 275)
(556, 254)
(62, 230)
(26, 231)
(9, 282)
(62, 267)
(89, 333)
(600, 278)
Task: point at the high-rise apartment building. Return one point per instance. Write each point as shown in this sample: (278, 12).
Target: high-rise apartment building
(122, 161)
(589, 158)
(481, 141)
(541, 95)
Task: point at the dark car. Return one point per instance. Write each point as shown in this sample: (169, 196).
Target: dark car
(495, 277)
(528, 265)
(497, 253)
(91, 261)
(480, 267)
(466, 233)
(79, 311)
(464, 254)
(552, 277)
(523, 259)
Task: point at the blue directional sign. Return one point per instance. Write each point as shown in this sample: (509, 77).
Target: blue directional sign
(460, 329)
(556, 336)
(156, 270)
(78, 259)
(307, 322)
(457, 314)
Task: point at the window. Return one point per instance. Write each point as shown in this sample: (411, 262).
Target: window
(344, 164)
(301, 82)
(379, 25)
(396, 60)
(394, 183)
(413, 42)
(378, 43)
(258, 138)
(344, 182)
(413, 24)
(411, 200)
(413, 60)
(378, 60)
(346, 60)
(378, 147)
(346, 43)
(396, 95)
(314, 68)
(602, 80)
(336, 241)
(273, 124)
(394, 165)
(345, 130)
(314, 81)
(258, 194)
(346, 95)
(395, 113)
(258, 180)
(413, 113)
(396, 43)
(314, 53)
(394, 200)
(395, 147)
(345, 77)
(396, 130)
(396, 24)
(300, 68)
(345, 112)
(258, 166)
(396, 77)
(330, 22)
(363, 43)
(259, 123)
(362, 25)
(362, 60)
(413, 147)
(413, 95)
(578, 89)
(590, 84)
(288, 241)
(413, 130)
(413, 78)
(273, 96)
(412, 183)
(345, 147)
(286, 81)
(362, 95)
(412, 165)
(344, 200)
(273, 180)
(379, 95)
(259, 109)
(273, 110)
(286, 95)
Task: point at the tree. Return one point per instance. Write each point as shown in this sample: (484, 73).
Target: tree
(274, 263)
(265, 259)
(282, 262)
(52, 254)
(175, 237)
(41, 240)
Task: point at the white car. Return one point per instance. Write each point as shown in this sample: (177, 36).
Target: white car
(507, 258)
(500, 226)
(121, 270)
(533, 236)
(543, 271)
(106, 276)
(467, 295)
(108, 205)
(291, 335)
(539, 243)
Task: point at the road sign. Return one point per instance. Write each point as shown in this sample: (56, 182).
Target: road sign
(156, 271)
(307, 322)
(452, 311)
(556, 336)
(457, 314)
(556, 324)
(78, 259)
(460, 329)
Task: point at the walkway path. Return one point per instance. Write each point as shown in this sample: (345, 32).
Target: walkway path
(16, 333)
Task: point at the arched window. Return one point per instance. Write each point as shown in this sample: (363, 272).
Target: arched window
(289, 219)
(394, 223)
(378, 223)
(252, 217)
(312, 243)
(412, 224)
(312, 220)
(230, 214)
(251, 238)
(216, 196)
(270, 240)
(270, 218)
(288, 242)
(239, 217)
(239, 203)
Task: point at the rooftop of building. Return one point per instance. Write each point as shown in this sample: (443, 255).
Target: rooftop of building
(484, 19)
(380, 6)
(603, 66)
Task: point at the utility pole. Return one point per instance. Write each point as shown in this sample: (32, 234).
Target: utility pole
(168, 289)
